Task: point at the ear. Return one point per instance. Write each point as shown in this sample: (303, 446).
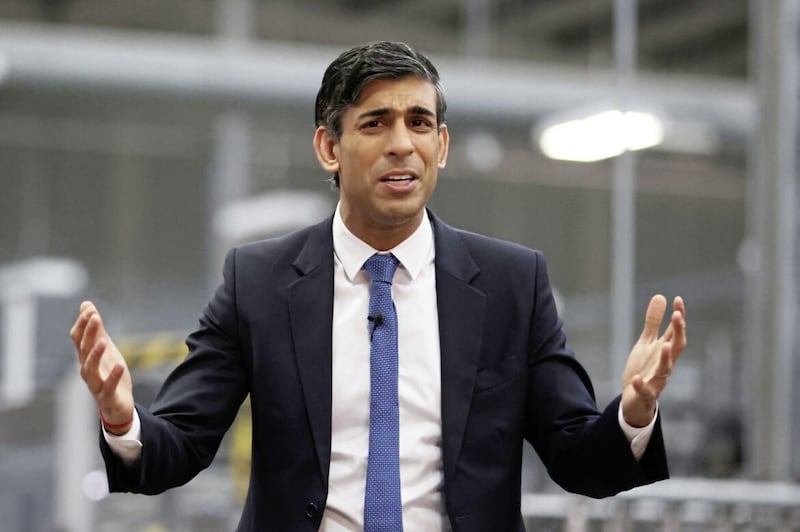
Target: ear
(444, 144)
(325, 148)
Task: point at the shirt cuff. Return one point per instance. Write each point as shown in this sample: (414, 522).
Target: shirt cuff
(638, 437)
(127, 446)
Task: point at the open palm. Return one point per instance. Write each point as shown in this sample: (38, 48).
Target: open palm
(651, 360)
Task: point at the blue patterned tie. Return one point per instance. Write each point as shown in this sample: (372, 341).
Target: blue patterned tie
(383, 510)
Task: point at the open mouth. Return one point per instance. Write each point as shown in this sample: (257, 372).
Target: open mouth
(399, 179)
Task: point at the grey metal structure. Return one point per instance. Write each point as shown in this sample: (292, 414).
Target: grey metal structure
(771, 309)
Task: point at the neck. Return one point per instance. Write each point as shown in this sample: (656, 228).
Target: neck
(384, 238)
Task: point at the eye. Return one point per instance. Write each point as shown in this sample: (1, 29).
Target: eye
(421, 124)
(371, 124)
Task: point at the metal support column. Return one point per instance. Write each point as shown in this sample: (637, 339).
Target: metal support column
(230, 173)
(623, 204)
(477, 27)
(771, 265)
(75, 454)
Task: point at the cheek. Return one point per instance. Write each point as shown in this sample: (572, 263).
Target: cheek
(356, 157)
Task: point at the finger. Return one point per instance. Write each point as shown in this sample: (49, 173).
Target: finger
(85, 338)
(678, 319)
(669, 333)
(84, 309)
(664, 367)
(90, 369)
(679, 305)
(94, 328)
(675, 327)
(109, 386)
(642, 389)
(77, 330)
(87, 309)
(678, 325)
(653, 317)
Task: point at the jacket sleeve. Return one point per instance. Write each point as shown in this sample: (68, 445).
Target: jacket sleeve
(584, 449)
(196, 405)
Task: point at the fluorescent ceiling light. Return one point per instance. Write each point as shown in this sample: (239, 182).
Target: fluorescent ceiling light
(601, 136)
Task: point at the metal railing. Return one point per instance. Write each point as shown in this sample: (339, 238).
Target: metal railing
(681, 504)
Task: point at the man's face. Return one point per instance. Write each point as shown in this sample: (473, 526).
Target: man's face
(388, 157)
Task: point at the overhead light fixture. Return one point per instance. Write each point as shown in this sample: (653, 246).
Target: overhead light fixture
(600, 135)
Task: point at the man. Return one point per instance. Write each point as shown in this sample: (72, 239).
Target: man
(477, 360)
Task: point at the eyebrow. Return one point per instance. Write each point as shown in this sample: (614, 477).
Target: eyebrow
(383, 111)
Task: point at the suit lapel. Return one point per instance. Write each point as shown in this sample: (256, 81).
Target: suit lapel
(311, 315)
(461, 315)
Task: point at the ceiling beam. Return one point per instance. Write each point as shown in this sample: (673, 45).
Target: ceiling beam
(270, 72)
(676, 26)
(552, 17)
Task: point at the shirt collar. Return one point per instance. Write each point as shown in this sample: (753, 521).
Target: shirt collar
(414, 253)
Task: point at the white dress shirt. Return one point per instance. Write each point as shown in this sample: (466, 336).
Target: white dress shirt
(419, 386)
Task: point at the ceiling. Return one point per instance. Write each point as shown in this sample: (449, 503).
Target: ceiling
(707, 37)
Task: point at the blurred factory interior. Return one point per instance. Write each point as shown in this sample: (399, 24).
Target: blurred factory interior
(140, 140)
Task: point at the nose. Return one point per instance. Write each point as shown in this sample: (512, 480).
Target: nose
(400, 142)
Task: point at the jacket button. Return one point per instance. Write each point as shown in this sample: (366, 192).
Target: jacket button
(312, 510)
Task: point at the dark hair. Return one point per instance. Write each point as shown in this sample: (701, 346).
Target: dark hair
(346, 77)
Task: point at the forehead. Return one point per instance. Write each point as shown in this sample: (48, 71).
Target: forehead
(398, 94)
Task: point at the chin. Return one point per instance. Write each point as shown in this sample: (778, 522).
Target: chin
(404, 213)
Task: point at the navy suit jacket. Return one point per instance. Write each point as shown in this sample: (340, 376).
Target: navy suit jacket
(507, 376)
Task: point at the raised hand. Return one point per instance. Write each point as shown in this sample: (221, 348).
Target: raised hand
(103, 369)
(651, 360)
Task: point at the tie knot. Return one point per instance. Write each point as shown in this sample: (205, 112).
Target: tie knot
(381, 267)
